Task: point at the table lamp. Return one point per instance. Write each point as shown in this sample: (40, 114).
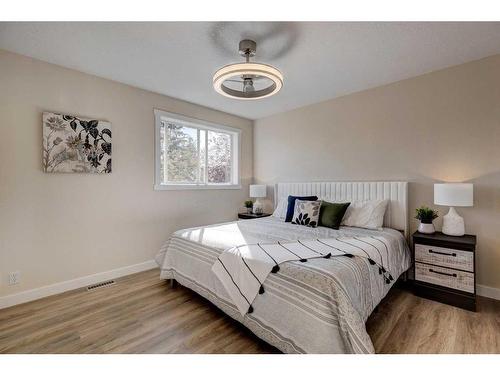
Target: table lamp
(453, 195)
(258, 191)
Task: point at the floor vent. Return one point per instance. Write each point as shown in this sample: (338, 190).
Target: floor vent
(101, 285)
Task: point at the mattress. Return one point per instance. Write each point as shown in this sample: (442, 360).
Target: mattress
(320, 306)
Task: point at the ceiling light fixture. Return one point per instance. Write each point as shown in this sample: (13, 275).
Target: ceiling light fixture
(248, 80)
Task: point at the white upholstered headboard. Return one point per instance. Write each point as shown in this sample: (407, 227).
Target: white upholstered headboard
(396, 215)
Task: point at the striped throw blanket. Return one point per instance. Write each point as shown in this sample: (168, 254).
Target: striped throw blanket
(243, 269)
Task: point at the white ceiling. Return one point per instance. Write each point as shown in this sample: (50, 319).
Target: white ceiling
(319, 60)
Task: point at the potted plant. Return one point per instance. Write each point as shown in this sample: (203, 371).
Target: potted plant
(249, 206)
(426, 215)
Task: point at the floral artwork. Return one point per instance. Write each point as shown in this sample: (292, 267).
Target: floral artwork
(76, 145)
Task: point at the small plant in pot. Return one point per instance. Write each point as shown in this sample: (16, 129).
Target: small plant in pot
(249, 206)
(426, 215)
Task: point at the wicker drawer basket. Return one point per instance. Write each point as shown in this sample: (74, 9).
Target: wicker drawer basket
(449, 278)
(441, 256)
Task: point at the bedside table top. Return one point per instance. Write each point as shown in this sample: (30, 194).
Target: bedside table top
(467, 239)
(244, 215)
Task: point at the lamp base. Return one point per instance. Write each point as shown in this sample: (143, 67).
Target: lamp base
(258, 207)
(453, 223)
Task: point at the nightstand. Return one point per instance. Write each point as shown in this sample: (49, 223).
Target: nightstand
(445, 268)
(245, 216)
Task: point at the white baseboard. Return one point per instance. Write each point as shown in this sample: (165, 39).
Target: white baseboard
(49, 290)
(488, 291)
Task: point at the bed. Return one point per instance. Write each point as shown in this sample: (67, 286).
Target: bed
(316, 307)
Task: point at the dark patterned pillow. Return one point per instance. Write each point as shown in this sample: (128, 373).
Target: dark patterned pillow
(306, 213)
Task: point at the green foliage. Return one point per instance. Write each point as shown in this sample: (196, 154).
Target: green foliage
(182, 161)
(219, 157)
(248, 204)
(182, 155)
(426, 214)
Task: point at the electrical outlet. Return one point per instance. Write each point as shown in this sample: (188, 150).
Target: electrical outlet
(14, 277)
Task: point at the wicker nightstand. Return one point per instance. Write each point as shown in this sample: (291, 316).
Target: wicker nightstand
(445, 268)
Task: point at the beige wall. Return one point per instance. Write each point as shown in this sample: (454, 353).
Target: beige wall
(443, 126)
(56, 227)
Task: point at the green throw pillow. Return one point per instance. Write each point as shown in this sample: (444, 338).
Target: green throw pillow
(331, 214)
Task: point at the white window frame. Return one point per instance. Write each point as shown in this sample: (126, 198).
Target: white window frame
(199, 124)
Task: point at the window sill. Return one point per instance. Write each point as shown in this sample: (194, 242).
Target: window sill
(197, 187)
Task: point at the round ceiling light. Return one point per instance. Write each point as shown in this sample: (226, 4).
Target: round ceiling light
(248, 80)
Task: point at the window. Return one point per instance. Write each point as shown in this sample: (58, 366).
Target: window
(194, 154)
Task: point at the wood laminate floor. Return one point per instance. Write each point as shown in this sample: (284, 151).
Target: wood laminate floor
(142, 314)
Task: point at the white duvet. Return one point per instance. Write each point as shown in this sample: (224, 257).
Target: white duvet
(320, 306)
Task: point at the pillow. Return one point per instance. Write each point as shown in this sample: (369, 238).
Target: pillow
(291, 205)
(331, 214)
(366, 214)
(306, 213)
(280, 211)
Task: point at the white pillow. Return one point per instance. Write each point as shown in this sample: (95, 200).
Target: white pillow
(365, 214)
(281, 208)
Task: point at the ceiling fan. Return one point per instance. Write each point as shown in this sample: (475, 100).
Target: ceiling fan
(248, 80)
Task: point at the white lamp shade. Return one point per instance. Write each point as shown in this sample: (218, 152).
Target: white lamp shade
(454, 194)
(257, 191)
